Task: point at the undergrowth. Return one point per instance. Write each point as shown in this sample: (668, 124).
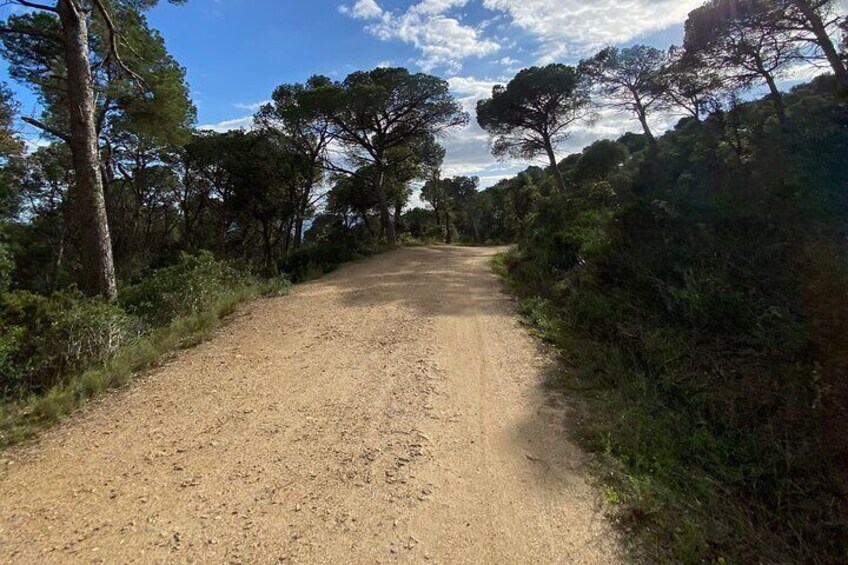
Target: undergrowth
(686, 480)
(108, 344)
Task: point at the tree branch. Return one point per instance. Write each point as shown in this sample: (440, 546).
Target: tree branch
(52, 131)
(113, 44)
(36, 6)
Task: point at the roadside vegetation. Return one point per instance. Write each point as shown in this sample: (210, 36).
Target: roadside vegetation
(61, 350)
(693, 284)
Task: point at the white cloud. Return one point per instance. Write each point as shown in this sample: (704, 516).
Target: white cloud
(805, 71)
(362, 10)
(229, 125)
(468, 148)
(574, 28)
(444, 41)
(34, 143)
(252, 106)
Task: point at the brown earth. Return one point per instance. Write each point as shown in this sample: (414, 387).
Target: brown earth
(392, 411)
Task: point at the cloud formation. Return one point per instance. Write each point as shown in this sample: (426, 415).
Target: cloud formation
(362, 10)
(444, 41)
(252, 106)
(229, 125)
(574, 28)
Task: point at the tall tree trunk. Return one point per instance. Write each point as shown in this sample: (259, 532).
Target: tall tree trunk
(397, 217)
(287, 229)
(448, 233)
(302, 206)
(298, 232)
(267, 247)
(646, 128)
(96, 245)
(473, 218)
(364, 216)
(776, 97)
(824, 41)
(560, 181)
(386, 224)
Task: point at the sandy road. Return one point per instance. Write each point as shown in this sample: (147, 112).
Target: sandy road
(389, 412)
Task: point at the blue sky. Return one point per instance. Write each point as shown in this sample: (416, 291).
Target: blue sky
(237, 51)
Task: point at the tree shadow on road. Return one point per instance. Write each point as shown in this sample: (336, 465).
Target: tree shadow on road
(431, 281)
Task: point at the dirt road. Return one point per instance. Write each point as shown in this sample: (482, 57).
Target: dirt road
(390, 412)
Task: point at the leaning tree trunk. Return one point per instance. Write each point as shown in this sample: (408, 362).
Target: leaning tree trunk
(642, 114)
(560, 181)
(824, 41)
(777, 98)
(96, 245)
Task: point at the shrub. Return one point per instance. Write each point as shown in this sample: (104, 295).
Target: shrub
(323, 257)
(44, 340)
(6, 267)
(704, 316)
(89, 333)
(189, 287)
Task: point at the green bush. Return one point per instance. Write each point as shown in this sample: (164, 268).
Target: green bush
(44, 340)
(6, 267)
(188, 287)
(47, 341)
(89, 333)
(59, 351)
(701, 308)
(315, 259)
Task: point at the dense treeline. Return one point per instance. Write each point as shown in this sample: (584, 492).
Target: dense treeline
(695, 282)
(697, 294)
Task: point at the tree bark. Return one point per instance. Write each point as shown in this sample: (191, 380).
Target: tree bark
(96, 244)
(777, 98)
(302, 206)
(473, 218)
(397, 216)
(646, 128)
(267, 247)
(387, 225)
(560, 181)
(824, 41)
(298, 232)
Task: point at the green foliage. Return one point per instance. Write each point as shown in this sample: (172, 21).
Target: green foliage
(6, 267)
(693, 294)
(46, 339)
(384, 117)
(187, 288)
(11, 149)
(161, 111)
(533, 113)
(631, 79)
(60, 350)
